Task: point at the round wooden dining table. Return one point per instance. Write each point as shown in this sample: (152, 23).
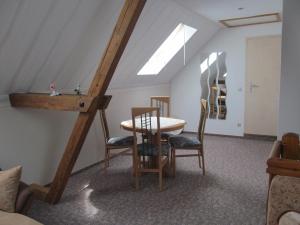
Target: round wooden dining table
(167, 124)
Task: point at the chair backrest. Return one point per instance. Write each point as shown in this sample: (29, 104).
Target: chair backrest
(146, 121)
(163, 103)
(202, 121)
(104, 125)
(103, 106)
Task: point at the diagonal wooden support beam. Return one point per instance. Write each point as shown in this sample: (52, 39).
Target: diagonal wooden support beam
(123, 29)
(121, 34)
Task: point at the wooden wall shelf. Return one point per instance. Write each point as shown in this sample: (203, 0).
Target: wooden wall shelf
(81, 103)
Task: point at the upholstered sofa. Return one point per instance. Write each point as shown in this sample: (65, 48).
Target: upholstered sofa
(284, 201)
(16, 219)
(23, 202)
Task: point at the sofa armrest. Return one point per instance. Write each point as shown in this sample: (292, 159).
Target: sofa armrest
(283, 196)
(24, 198)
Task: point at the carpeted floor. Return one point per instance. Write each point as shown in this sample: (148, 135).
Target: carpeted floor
(233, 192)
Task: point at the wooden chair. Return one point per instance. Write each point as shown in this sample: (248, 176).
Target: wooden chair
(186, 143)
(150, 156)
(163, 103)
(113, 143)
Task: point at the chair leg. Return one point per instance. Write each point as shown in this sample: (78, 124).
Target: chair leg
(173, 161)
(199, 157)
(161, 178)
(106, 158)
(134, 169)
(169, 164)
(144, 162)
(203, 165)
(137, 173)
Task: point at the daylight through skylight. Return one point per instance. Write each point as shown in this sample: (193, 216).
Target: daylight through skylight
(208, 61)
(168, 49)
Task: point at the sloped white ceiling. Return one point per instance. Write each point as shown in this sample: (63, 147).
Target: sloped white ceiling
(37, 39)
(158, 20)
(63, 41)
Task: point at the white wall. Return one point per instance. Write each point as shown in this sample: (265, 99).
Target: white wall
(186, 90)
(289, 103)
(36, 139)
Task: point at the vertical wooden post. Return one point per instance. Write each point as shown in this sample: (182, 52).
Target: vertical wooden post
(120, 36)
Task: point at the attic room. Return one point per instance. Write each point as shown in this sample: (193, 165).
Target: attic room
(149, 112)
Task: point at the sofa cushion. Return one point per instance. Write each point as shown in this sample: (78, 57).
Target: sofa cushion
(16, 219)
(9, 184)
(290, 218)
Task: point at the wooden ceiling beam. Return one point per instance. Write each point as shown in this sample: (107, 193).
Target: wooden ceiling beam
(81, 103)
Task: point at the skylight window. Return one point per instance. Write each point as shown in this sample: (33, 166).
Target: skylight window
(168, 49)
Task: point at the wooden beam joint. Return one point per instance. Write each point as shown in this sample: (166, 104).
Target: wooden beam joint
(104, 102)
(39, 192)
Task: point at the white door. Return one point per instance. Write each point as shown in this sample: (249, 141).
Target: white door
(263, 65)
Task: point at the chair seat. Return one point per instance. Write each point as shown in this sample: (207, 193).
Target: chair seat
(151, 150)
(166, 136)
(184, 142)
(121, 141)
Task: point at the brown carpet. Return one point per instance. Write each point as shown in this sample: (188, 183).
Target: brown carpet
(233, 192)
